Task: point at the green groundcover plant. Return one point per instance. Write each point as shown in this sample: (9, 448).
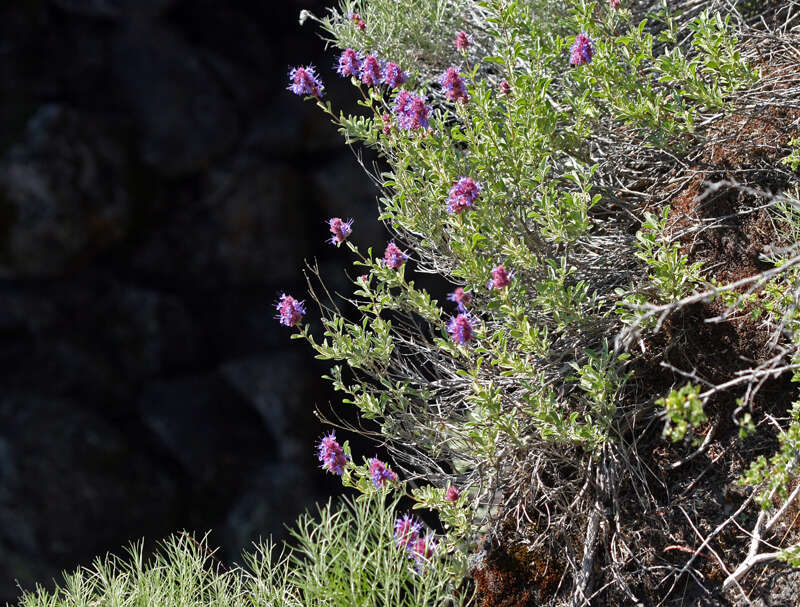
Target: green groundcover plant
(535, 160)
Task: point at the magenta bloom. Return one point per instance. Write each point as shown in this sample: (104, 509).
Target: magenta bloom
(371, 71)
(406, 531)
(461, 297)
(357, 21)
(463, 194)
(330, 453)
(349, 63)
(393, 76)
(582, 51)
(614, 3)
(452, 494)
(380, 473)
(462, 41)
(304, 81)
(411, 111)
(387, 124)
(290, 311)
(453, 84)
(500, 277)
(423, 548)
(460, 328)
(340, 230)
(505, 88)
(393, 257)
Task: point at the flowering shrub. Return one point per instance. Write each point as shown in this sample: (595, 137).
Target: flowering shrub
(558, 252)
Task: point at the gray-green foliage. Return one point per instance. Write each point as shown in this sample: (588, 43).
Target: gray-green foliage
(344, 556)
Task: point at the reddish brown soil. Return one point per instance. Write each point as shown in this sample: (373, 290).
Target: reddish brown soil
(513, 576)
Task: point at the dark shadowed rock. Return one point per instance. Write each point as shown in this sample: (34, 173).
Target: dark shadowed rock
(59, 195)
(247, 230)
(183, 119)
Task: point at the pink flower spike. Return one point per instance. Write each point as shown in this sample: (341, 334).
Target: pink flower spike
(340, 230)
(406, 531)
(462, 41)
(614, 4)
(461, 297)
(393, 257)
(331, 454)
(290, 311)
(452, 494)
(380, 473)
(460, 328)
(304, 81)
(371, 71)
(582, 51)
(501, 278)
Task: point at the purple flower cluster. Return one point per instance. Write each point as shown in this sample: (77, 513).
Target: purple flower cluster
(408, 535)
(340, 230)
(393, 76)
(330, 453)
(453, 84)
(406, 531)
(349, 63)
(581, 52)
(463, 195)
(423, 548)
(462, 41)
(411, 111)
(460, 328)
(501, 278)
(614, 3)
(505, 88)
(462, 298)
(393, 257)
(371, 71)
(304, 81)
(380, 473)
(290, 311)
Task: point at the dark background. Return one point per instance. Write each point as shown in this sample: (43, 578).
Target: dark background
(159, 189)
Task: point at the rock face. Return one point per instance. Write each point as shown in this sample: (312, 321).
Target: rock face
(159, 189)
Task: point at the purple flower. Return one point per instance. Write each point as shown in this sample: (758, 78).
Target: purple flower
(393, 257)
(411, 111)
(304, 81)
(349, 63)
(582, 51)
(614, 3)
(406, 531)
(505, 88)
(393, 76)
(340, 230)
(463, 194)
(380, 473)
(461, 297)
(452, 494)
(290, 311)
(500, 277)
(371, 71)
(453, 83)
(423, 548)
(460, 328)
(330, 453)
(462, 41)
